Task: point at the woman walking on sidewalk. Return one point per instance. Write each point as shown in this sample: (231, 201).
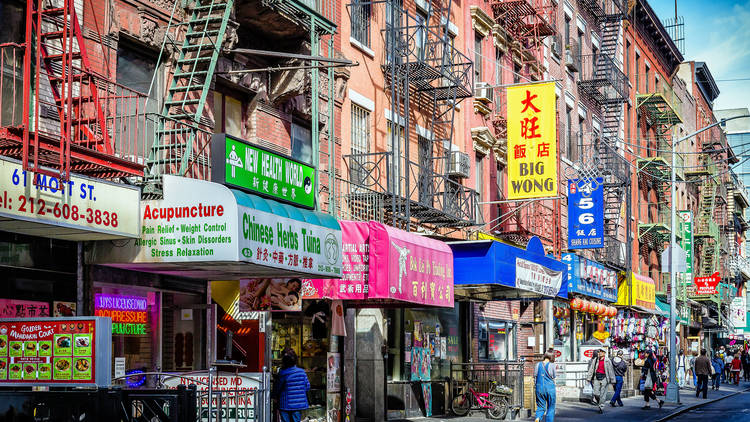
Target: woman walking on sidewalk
(544, 376)
(736, 367)
(718, 365)
(621, 368)
(648, 378)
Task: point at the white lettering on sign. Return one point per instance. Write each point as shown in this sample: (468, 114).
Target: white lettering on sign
(238, 392)
(80, 202)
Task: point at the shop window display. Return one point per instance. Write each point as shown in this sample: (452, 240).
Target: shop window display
(497, 340)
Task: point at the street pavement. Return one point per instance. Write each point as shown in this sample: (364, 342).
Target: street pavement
(736, 409)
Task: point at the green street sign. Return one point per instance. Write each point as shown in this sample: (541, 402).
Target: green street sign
(686, 236)
(238, 164)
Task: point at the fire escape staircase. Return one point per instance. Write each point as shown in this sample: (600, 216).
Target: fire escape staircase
(180, 134)
(83, 142)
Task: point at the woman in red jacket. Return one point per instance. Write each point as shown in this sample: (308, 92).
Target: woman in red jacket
(736, 366)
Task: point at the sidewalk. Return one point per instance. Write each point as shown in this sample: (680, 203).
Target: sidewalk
(569, 412)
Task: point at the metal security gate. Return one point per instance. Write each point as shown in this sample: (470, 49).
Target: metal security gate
(222, 396)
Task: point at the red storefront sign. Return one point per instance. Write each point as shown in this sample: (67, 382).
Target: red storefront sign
(707, 285)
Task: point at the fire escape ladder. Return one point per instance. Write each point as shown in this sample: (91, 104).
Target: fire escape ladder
(62, 53)
(179, 138)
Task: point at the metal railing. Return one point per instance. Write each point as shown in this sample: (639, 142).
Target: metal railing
(657, 92)
(181, 149)
(434, 197)
(600, 77)
(508, 373)
(572, 55)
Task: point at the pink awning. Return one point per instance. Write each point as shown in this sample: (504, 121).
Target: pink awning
(385, 263)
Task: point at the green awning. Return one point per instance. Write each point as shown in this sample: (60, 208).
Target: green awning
(664, 308)
(284, 210)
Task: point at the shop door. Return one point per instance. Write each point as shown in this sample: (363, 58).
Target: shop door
(184, 337)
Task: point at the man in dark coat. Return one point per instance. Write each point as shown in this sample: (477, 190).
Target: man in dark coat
(291, 388)
(703, 369)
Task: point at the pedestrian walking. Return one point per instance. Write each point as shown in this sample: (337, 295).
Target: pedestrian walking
(601, 374)
(291, 388)
(648, 379)
(681, 369)
(728, 358)
(693, 355)
(703, 369)
(746, 365)
(735, 369)
(621, 368)
(717, 364)
(544, 376)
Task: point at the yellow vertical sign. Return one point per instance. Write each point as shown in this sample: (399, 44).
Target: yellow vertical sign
(532, 141)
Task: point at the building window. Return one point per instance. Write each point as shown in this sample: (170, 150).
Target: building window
(581, 134)
(479, 176)
(497, 340)
(516, 73)
(421, 19)
(396, 141)
(498, 67)
(627, 59)
(567, 30)
(637, 72)
(301, 143)
(570, 139)
(646, 78)
(227, 114)
(477, 57)
(361, 12)
(360, 143)
(135, 70)
(627, 124)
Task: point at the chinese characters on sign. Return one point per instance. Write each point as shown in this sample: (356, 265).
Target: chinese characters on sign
(532, 141)
(537, 278)
(707, 285)
(686, 242)
(10, 308)
(585, 214)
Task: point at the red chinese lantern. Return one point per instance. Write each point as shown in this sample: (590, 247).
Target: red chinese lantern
(614, 312)
(576, 304)
(586, 306)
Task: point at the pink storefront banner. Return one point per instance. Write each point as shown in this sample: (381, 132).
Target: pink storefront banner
(381, 262)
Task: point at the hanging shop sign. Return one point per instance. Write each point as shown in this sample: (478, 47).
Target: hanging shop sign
(247, 167)
(707, 285)
(641, 292)
(590, 278)
(267, 294)
(532, 141)
(77, 209)
(492, 267)
(738, 313)
(12, 308)
(383, 262)
(205, 230)
(55, 351)
(239, 394)
(585, 214)
(129, 314)
(686, 242)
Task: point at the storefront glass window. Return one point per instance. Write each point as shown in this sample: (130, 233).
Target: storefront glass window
(497, 340)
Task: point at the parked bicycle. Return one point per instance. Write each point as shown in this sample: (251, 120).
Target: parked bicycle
(496, 403)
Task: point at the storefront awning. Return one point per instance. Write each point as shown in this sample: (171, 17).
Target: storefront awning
(491, 270)
(640, 292)
(382, 264)
(590, 278)
(205, 230)
(663, 308)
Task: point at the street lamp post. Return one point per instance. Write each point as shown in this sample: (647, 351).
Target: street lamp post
(673, 390)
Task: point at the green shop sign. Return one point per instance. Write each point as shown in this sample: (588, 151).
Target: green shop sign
(685, 219)
(238, 164)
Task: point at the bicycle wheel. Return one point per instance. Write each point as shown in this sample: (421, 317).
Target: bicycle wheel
(461, 405)
(499, 408)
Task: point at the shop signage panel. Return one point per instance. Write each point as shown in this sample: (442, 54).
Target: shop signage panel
(642, 292)
(12, 308)
(282, 242)
(585, 214)
(55, 351)
(590, 278)
(532, 141)
(269, 294)
(410, 268)
(239, 392)
(686, 242)
(80, 203)
(247, 167)
(355, 267)
(738, 313)
(129, 314)
(707, 285)
(537, 278)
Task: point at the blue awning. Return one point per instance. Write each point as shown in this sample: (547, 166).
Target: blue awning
(487, 263)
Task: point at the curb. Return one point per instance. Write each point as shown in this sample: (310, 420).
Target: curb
(703, 403)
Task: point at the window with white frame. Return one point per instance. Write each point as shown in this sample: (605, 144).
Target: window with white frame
(361, 12)
(360, 143)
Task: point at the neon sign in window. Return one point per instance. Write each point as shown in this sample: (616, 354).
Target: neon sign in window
(129, 314)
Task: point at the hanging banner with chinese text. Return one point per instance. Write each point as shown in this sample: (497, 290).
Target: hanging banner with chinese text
(532, 141)
(686, 243)
(585, 214)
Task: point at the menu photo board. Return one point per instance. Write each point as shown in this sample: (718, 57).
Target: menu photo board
(55, 351)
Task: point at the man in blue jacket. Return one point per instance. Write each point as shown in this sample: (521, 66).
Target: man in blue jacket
(291, 388)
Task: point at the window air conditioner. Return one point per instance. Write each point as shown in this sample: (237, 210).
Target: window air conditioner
(459, 164)
(483, 92)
